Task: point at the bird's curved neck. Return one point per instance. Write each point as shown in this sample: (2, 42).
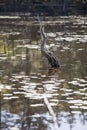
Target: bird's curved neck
(43, 44)
(43, 39)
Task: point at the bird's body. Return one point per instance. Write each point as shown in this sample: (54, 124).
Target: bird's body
(51, 58)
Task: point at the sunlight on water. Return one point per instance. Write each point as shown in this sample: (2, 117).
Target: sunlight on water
(25, 79)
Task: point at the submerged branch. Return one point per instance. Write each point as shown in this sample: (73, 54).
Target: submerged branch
(51, 112)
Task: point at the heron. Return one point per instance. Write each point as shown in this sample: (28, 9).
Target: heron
(47, 53)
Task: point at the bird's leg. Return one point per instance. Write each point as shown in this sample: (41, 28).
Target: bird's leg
(53, 70)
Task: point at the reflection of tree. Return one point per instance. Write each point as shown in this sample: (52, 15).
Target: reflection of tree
(82, 65)
(20, 107)
(83, 117)
(11, 43)
(65, 6)
(28, 64)
(26, 119)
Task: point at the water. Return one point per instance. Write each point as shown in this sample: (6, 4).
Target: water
(25, 79)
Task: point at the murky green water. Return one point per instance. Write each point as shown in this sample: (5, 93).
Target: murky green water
(25, 78)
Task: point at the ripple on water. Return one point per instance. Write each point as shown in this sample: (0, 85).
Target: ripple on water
(75, 101)
(9, 98)
(79, 82)
(8, 87)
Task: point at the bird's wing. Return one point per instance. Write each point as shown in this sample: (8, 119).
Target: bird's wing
(51, 54)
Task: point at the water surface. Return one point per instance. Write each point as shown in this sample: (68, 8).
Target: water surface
(25, 78)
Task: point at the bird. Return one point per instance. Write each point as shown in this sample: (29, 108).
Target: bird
(47, 53)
